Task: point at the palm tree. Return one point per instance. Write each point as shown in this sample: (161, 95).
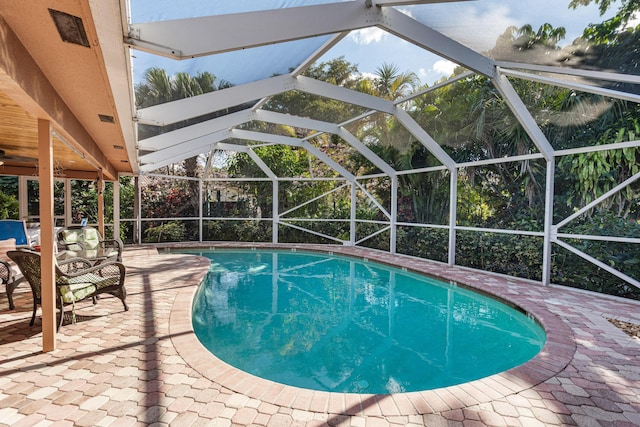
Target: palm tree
(547, 36)
(422, 194)
(157, 88)
(391, 84)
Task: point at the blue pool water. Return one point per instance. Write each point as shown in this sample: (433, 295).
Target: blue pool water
(335, 323)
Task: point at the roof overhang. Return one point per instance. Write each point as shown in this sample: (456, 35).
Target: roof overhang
(84, 91)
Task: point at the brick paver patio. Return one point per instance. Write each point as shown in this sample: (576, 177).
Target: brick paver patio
(145, 367)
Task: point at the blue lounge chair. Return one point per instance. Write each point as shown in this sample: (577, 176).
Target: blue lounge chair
(13, 234)
(15, 229)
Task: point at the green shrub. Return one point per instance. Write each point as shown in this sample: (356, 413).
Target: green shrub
(292, 235)
(515, 255)
(173, 231)
(428, 243)
(9, 207)
(237, 231)
(521, 256)
(572, 270)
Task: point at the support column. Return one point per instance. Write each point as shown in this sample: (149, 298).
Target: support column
(394, 214)
(116, 208)
(100, 184)
(453, 209)
(137, 223)
(354, 213)
(68, 194)
(47, 265)
(548, 221)
(275, 213)
(200, 204)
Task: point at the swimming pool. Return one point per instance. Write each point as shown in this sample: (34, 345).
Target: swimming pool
(335, 323)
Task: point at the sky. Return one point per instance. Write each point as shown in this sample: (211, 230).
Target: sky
(475, 24)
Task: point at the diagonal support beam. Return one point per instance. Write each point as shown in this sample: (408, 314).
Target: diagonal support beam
(524, 116)
(386, 3)
(407, 28)
(295, 121)
(186, 152)
(339, 93)
(325, 127)
(183, 109)
(195, 132)
(194, 37)
(318, 53)
(598, 263)
(424, 138)
(261, 164)
(590, 74)
(195, 106)
(597, 201)
(202, 143)
(366, 152)
(279, 139)
(572, 85)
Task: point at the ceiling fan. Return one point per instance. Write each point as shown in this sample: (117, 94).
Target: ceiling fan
(23, 159)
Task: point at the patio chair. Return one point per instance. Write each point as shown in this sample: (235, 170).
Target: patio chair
(87, 243)
(76, 280)
(16, 229)
(9, 272)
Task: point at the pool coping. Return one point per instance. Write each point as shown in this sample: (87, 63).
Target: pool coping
(555, 355)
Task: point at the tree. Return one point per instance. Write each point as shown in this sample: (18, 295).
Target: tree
(336, 71)
(158, 87)
(626, 12)
(612, 45)
(391, 84)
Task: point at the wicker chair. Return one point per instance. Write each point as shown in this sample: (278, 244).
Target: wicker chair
(9, 278)
(76, 280)
(84, 240)
(9, 273)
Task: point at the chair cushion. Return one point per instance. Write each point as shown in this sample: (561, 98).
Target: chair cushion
(72, 236)
(76, 292)
(91, 238)
(87, 279)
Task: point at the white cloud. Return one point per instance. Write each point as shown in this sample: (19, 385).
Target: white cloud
(369, 76)
(368, 35)
(444, 67)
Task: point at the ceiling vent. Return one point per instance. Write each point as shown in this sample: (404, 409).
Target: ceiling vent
(106, 119)
(70, 27)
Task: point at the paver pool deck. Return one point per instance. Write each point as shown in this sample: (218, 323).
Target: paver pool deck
(145, 366)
